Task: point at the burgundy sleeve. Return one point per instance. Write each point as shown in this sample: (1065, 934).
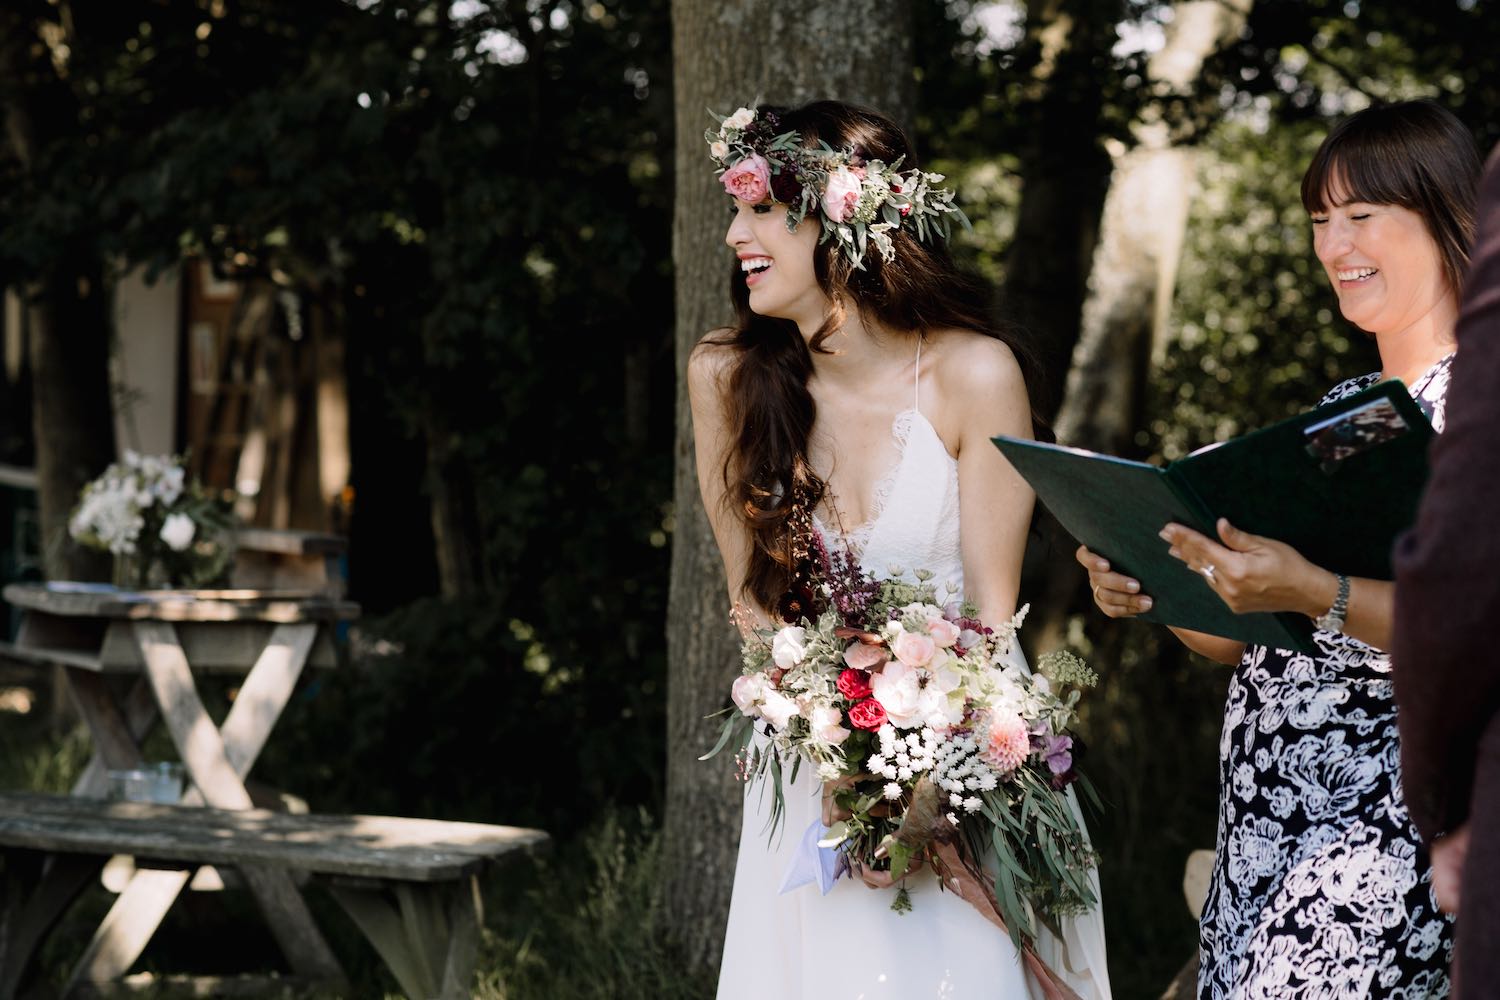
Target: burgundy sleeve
(1446, 648)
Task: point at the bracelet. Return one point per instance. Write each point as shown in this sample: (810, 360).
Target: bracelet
(1333, 621)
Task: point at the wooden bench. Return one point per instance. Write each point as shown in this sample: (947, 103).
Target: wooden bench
(409, 884)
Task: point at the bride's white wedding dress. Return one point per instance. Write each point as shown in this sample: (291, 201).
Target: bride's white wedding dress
(849, 944)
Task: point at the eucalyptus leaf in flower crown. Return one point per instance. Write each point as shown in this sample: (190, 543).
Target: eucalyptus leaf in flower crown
(858, 201)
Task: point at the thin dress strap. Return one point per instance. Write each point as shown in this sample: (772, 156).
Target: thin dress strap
(916, 386)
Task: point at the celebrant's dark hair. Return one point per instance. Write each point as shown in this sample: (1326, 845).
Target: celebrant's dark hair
(1415, 154)
(771, 486)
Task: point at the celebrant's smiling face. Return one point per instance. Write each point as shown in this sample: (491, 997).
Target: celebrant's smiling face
(1382, 261)
(777, 266)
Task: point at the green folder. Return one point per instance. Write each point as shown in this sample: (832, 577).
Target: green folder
(1338, 484)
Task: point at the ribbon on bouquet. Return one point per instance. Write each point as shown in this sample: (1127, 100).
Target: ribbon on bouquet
(812, 863)
(959, 878)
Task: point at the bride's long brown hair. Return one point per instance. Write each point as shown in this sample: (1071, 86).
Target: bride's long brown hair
(770, 484)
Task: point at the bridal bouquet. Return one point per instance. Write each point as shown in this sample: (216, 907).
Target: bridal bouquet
(162, 528)
(943, 749)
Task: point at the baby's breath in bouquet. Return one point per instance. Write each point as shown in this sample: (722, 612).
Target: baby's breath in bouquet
(945, 751)
(162, 528)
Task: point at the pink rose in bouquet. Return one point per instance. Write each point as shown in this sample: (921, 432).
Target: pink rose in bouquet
(868, 714)
(863, 656)
(914, 649)
(943, 632)
(853, 684)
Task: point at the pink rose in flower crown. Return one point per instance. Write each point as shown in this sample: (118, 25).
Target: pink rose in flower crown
(841, 196)
(853, 684)
(943, 632)
(749, 179)
(863, 656)
(913, 648)
(868, 714)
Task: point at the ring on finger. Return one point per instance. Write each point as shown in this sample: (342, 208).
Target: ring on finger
(1208, 574)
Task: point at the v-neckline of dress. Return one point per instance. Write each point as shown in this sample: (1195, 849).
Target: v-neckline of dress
(857, 538)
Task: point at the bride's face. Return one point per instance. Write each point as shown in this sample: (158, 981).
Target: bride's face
(777, 266)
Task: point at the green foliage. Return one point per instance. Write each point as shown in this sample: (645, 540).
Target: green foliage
(589, 924)
(464, 712)
(1255, 329)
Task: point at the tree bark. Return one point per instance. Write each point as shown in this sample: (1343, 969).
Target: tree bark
(72, 419)
(725, 55)
(456, 531)
(72, 416)
(1064, 176)
(1132, 278)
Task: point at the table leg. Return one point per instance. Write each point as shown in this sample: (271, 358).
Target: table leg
(218, 769)
(109, 727)
(138, 712)
(129, 925)
(265, 692)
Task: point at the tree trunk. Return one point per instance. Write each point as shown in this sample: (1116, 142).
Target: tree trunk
(1064, 176)
(725, 55)
(72, 419)
(1134, 271)
(456, 534)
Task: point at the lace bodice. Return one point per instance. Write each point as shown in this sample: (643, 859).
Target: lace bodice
(914, 524)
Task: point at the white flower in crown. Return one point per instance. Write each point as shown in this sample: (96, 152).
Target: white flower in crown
(740, 119)
(718, 149)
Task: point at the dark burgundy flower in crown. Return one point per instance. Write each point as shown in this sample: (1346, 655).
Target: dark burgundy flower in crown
(786, 185)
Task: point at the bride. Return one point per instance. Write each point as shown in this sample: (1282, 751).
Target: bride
(856, 397)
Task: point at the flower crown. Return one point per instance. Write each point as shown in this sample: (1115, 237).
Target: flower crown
(859, 201)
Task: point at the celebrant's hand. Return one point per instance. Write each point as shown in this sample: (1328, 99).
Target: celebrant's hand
(1117, 595)
(1448, 856)
(1251, 573)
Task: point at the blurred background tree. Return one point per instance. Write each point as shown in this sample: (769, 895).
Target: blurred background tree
(479, 194)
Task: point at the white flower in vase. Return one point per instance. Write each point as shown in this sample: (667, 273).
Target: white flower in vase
(178, 531)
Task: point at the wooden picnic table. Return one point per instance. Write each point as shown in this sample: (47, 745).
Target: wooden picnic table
(410, 885)
(101, 637)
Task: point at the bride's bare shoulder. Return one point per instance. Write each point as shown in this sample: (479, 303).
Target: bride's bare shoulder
(711, 360)
(969, 364)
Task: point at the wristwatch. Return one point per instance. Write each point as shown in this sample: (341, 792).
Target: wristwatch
(1333, 621)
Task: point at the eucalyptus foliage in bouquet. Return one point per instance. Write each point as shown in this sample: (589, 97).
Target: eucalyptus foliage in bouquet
(162, 528)
(945, 751)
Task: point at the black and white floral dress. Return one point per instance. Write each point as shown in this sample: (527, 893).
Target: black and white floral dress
(1321, 887)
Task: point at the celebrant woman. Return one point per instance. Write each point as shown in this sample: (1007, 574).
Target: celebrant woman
(1321, 885)
(854, 398)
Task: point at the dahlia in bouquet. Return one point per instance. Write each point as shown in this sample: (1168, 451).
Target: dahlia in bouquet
(943, 749)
